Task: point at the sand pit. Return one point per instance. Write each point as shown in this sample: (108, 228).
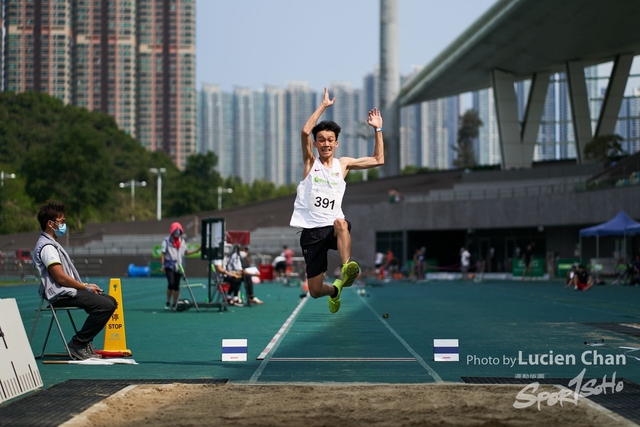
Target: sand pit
(334, 405)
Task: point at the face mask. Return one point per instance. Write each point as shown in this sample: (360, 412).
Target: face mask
(243, 254)
(61, 231)
(176, 233)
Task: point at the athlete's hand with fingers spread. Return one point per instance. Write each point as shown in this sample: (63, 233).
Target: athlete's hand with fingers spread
(325, 100)
(375, 118)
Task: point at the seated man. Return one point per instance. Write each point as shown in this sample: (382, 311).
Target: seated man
(249, 271)
(230, 269)
(61, 284)
(582, 281)
(570, 275)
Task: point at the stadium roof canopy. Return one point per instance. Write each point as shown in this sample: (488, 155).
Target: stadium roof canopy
(522, 37)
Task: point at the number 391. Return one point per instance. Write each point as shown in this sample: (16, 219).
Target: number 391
(324, 203)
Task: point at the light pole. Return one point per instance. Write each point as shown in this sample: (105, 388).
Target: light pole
(220, 191)
(133, 184)
(4, 175)
(159, 172)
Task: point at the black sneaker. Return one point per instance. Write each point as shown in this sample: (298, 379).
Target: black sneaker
(92, 349)
(80, 351)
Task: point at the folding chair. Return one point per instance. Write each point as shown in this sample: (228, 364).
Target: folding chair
(54, 318)
(219, 296)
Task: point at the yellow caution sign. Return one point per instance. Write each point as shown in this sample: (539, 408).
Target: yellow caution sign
(115, 339)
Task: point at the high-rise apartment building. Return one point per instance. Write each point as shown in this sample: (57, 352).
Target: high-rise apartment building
(246, 130)
(257, 132)
(38, 47)
(487, 148)
(566, 139)
(547, 135)
(166, 77)
(105, 59)
(131, 59)
(244, 164)
(214, 119)
(272, 137)
(300, 102)
(346, 112)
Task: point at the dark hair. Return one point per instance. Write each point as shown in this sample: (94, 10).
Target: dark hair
(50, 211)
(329, 125)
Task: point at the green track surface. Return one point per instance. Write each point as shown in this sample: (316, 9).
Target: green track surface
(490, 320)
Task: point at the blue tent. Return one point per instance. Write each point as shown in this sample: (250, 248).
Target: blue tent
(634, 229)
(620, 225)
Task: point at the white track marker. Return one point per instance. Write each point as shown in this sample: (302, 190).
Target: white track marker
(234, 350)
(282, 330)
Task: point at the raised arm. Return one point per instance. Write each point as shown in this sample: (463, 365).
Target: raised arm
(305, 137)
(348, 163)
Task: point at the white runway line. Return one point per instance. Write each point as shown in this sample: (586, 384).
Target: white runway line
(275, 341)
(420, 360)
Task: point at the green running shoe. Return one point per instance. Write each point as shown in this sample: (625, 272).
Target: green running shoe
(350, 272)
(334, 303)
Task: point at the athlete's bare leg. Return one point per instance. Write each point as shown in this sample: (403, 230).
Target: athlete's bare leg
(317, 287)
(341, 233)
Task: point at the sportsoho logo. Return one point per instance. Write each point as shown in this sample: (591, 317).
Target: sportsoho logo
(526, 398)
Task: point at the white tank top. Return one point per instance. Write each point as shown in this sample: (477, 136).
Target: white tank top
(319, 197)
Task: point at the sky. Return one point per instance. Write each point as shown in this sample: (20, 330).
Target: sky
(253, 43)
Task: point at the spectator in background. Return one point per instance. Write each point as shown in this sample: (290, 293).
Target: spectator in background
(379, 263)
(394, 195)
(288, 257)
(249, 271)
(422, 263)
(417, 268)
(526, 258)
(570, 275)
(230, 267)
(390, 264)
(582, 281)
(280, 266)
(465, 260)
(174, 250)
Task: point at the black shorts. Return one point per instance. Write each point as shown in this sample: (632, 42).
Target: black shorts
(281, 266)
(315, 243)
(173, 279)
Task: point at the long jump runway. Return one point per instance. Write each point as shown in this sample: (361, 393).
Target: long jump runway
(354, 345)
(508, 333)
(499, 326)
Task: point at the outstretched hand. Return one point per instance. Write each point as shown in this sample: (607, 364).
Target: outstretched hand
(325, 100)
(375, 118)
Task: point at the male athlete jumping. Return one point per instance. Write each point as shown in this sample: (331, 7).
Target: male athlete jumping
(318, 206)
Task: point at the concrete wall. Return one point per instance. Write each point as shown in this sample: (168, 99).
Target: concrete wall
(567, 211)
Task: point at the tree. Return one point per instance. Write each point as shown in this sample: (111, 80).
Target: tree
(467, 133)
(412, 169)
(604, 148)
(74, 169)
(195, 189)
(79, 157)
